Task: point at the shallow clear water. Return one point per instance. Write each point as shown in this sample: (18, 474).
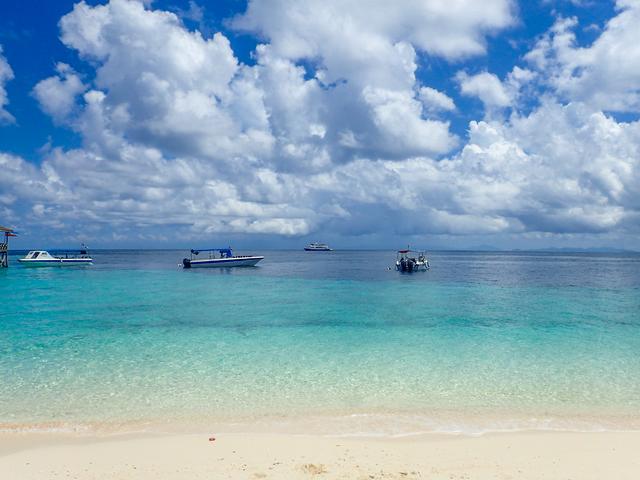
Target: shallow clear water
(495, 340)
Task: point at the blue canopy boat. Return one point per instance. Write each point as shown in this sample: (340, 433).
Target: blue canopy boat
(224, 258)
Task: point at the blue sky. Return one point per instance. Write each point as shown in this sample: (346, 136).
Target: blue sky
(272, 123)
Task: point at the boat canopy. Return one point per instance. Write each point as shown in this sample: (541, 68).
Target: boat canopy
(224, 252)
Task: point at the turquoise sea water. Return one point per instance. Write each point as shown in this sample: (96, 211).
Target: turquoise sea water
(482, 341)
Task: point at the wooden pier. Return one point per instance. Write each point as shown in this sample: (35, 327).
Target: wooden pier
(4, 246)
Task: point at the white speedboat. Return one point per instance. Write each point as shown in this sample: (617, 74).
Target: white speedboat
(42, 258)
(317, 247)
(411, 261)
(224, 258)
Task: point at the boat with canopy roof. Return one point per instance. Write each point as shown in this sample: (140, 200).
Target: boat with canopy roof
(411, 261)
(219, 257)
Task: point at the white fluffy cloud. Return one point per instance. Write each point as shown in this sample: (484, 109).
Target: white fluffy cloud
(528, 175)
(487, 87)
(6, 74)
(605, 74)
(329, 130)
(159, 84)
(341, 30)
(366, 55)
(434, 100)
(57, 95)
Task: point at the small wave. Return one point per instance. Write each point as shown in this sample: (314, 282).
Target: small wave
(373, 425)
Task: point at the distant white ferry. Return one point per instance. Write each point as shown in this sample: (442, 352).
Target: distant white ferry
(42, 258)
(225, 259)
(317, 247)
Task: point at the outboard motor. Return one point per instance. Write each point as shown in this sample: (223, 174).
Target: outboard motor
(403, 265)
(186, 263)
(410, 264)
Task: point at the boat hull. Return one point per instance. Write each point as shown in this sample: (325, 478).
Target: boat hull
(307, 249)
(58, 262)
(222, 262)
(415, 267)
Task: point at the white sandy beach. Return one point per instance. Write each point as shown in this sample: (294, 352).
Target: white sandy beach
(525, 455)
